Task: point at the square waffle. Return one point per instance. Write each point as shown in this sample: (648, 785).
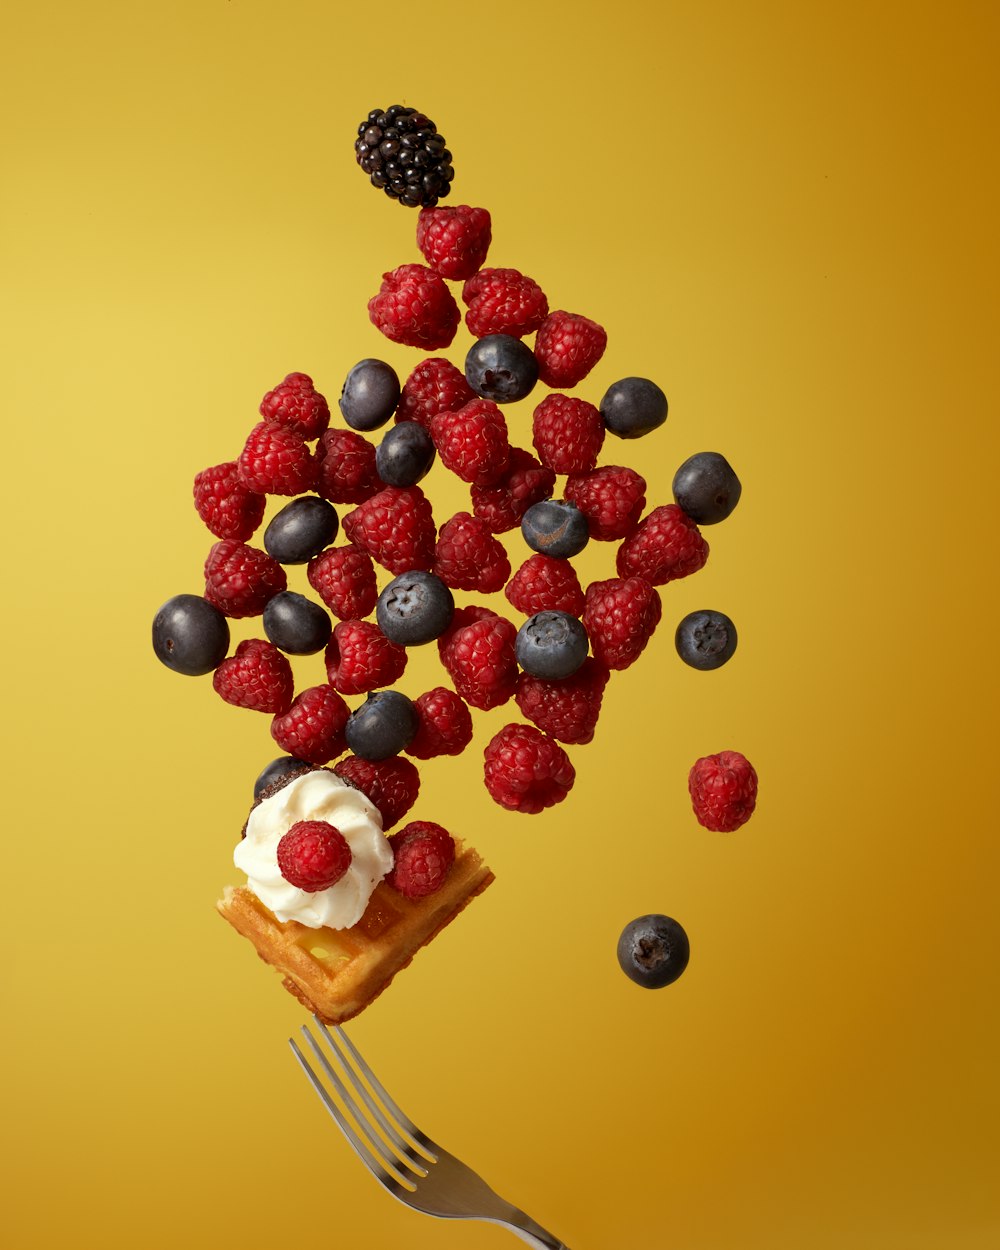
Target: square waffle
(336, 973)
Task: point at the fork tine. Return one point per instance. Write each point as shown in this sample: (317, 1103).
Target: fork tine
(383, 1169)
(404, 1126)
(406, 1138)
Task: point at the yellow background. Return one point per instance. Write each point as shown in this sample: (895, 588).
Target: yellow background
(787, 215)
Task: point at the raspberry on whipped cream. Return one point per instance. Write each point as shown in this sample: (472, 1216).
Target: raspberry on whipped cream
(317, 795)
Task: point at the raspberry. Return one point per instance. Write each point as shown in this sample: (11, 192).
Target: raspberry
(568, 433)
(224, 503)
(473, 441)
(313, 855)
(566, 709)
(666, 545)
(258, 677)
(344, 578)
(424, 853)
(567, 346)
(524, 482)
(526, 770)
(346, 470)
(468, 557)
(545, 584)
(445, 725)
(396, 528)
(360, 658)
(434, 386)
(454, 240)
(503, 301)
(723, 791)
(480, 661)
(240, 580)
(276, 461)
(611, 498)
(460, 618)
(297, 404)
(313, 727)
(619, 617)
(392, 784)
(413, 306)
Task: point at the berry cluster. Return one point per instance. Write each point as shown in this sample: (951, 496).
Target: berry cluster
(554, 666)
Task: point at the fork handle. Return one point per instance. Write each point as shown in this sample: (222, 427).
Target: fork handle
(524, 1226)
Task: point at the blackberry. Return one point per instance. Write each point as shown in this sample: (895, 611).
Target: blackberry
(401, 151)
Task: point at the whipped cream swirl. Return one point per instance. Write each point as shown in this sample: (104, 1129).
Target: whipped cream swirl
(319, 795)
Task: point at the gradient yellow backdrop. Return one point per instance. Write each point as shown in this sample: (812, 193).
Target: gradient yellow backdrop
(787, 215)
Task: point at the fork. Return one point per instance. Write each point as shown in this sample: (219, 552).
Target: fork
(413, 1168)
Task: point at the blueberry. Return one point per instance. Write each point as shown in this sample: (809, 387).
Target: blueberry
(295, 624)
(370, 395)
(277, 769)
(555, 527)
(190, 635)
(705, 639)
(551, 645)
(653, 951)
(301, 530)
(414, 608)
(382, 726)
(633, 407)
(706, 487)
(404, 455)
(501, 368)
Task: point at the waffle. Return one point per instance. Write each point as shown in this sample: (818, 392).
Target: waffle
(336, 973)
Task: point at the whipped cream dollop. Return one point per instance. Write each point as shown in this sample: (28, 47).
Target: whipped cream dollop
(319, 795)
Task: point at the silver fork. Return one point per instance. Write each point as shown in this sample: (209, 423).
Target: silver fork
(413, 1168)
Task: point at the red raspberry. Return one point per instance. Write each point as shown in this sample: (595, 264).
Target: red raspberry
(424, 855)
(360, 658)
(313, 727)
(224, 503)
(445, 725)
(276, 461)
(344, 578)
(396, 528)
(434, 386)
(460, 618)
(568, 433)
(723, 791)
(468, 557)
(611, 498)
(392, 784)
(313, 855)
(526, 770)
(619, 617)
(567, 709)
(503, 301)
(567, 346)
(473, 441)
(240, 580)
(297, 404)
(665, 546)
(454, 240)
(504, 502)
(545, 584)
(258, 676)
(480, 661)
(346, 470)
(413, 306)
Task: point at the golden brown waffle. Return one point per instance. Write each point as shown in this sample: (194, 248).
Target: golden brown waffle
(338, 972)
